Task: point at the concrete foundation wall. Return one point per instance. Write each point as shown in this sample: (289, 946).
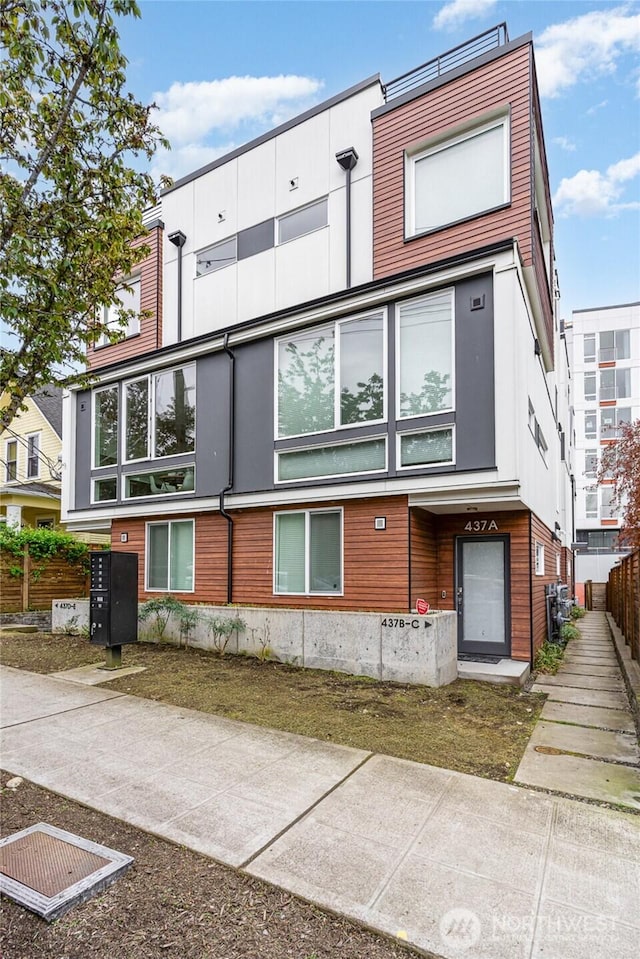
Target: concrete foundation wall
(405, 649)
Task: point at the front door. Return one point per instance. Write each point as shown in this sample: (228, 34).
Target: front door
(482, 595)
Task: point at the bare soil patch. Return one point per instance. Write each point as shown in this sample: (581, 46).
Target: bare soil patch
(472, 727)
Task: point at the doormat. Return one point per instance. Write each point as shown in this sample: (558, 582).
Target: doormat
(467, 658)
(48, 870)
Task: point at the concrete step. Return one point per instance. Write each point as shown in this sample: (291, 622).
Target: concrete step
(511, 672)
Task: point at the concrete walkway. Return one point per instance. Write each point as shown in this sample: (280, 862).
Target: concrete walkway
(585, 742)
(452, 864)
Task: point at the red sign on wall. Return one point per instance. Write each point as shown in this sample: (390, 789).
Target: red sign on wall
(422, 606)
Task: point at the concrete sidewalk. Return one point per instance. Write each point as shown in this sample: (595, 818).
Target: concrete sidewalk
(585, 742)
(450, 863)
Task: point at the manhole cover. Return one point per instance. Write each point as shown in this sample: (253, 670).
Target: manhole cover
(49, 870)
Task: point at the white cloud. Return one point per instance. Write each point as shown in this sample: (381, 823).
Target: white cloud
(189, 112)
(565, 144)
(592, 193)
(584, 47)
(597, 106)
(458, 11)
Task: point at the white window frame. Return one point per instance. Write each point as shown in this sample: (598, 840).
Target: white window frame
(94, 393)
(100, 479)
(300, 209)
(418, 432)
(436, 145)
(36, 436)
(449, 409)
(151, 419)
(213, 246)
(591, 396)
(307, 550)
(335, 326)
(7, 461)
(589, 357)
(539, 558)
(149, 472)
(325, 476)
(127, 332)
(169, 523)
(589, 435)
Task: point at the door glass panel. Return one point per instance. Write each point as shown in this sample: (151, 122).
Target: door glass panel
(483, 592)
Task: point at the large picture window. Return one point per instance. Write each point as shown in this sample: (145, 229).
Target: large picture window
(160, 414)
(308, 552)
(425, 333)
(105, 427)
(170, 556)
(332, 377)
(458, 178)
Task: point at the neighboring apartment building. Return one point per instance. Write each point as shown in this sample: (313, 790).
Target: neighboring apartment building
(30, 462)
(353, 392)
(605, 344)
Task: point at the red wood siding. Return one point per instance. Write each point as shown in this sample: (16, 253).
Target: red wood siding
(503, 83)
(540, 534)
(376, 562)
(424, 558)
(150, 336)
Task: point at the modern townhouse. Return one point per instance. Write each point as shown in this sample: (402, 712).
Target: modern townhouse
(349, 391)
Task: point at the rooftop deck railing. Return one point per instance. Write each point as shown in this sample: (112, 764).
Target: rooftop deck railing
(495, 37)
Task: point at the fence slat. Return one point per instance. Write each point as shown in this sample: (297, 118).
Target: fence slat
(623, 599)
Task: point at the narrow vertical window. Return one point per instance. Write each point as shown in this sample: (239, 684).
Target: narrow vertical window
(105, 427)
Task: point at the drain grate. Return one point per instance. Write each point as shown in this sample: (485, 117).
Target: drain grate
(48, 870)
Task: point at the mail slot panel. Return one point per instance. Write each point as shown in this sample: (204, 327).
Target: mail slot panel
(113, 598)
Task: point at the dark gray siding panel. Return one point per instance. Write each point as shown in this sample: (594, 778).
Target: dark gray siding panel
(83, 450)
(475, 416)
(212, 419)
(254, 417)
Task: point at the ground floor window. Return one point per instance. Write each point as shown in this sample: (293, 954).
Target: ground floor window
(170, 556)
(308, 551)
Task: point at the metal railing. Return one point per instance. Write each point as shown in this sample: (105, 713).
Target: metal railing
(623, 599)
(495, 37)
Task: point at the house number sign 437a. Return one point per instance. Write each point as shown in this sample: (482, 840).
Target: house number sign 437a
(481, 525)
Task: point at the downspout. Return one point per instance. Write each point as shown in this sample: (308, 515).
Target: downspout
(179, 239)
(573, 534)
(347, 160)
(231, 457)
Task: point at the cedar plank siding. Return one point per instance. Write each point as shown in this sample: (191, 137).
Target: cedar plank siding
(516, 524)
(505, 82)
(150, 336)
(424, 558)
(376, 562)
(540, 534)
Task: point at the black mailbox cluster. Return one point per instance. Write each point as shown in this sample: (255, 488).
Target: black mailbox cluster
(113, 598)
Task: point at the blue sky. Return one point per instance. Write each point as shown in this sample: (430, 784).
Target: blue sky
(223, 72)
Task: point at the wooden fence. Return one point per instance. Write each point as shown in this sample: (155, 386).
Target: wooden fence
(623, 599)
(35, 588)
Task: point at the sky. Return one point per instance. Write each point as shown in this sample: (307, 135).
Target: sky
(223, 72)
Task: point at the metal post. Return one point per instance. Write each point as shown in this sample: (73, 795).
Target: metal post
(113, 657)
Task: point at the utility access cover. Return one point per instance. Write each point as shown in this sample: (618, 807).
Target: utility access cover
(48, 870)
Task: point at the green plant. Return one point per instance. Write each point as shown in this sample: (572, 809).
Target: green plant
(577, 612)
(42, 545)
(220, 629)
(159, 612)
(569, 631)
(548, 658)
(188, 620)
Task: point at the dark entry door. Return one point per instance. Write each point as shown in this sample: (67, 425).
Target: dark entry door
(482, 595)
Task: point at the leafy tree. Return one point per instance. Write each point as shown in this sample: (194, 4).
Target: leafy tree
(621, 462)
(70, 202)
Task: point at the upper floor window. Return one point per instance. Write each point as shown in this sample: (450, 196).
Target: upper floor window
(425, 340)
(615, 384)
(160, 414)
(11, 460)
(614, 345)
(589, 347)
(105, 427)
(611, 419)
(590, 386)
(127, 298)
(590, 462)
(608, 505)
(305, 220)
(590, 424)
(216, 257)
(332, 377)
(33, 456)
(458, 178)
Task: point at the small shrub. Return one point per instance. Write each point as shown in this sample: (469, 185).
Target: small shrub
(577, 612)
(569, 631)
(159, 612)
(548, 658)
(220, 629)
(188, 617)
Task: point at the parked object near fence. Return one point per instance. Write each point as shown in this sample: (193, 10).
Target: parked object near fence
(623, 600)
